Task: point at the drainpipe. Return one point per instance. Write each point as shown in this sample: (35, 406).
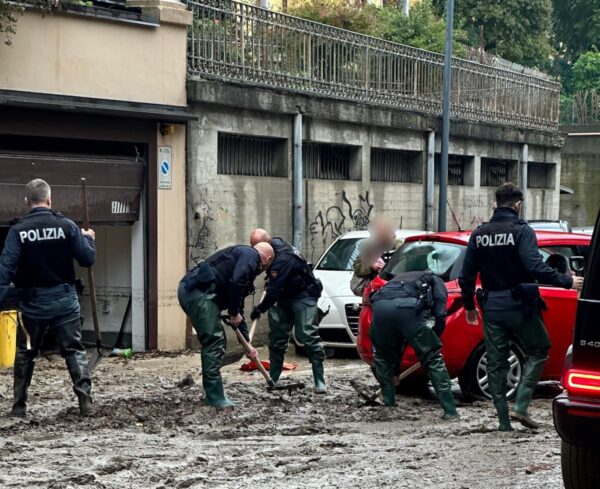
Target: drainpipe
(523, 178)
(298, 222)
(430, 182)
(406, 7)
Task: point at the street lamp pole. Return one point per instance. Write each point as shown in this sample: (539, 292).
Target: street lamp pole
(446, 117)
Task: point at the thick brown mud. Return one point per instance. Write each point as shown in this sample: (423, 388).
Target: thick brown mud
(150, 430)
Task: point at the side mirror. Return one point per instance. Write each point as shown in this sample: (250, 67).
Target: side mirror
(577, 264)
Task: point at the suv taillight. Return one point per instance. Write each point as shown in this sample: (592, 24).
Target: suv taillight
(582, 381)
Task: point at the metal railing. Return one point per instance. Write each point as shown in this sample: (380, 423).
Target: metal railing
(234, 41)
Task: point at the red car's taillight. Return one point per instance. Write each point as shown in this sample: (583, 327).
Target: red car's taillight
(582, 381)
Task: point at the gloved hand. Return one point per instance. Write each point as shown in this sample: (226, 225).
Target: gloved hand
(255, 314)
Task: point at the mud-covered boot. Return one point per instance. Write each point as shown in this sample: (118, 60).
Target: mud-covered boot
(319, 377)
(215, 395)
(275, 367)
(85, 404)
(448, 405)
(388, 393)
(22, 380)
(503, 417)
(524, 419)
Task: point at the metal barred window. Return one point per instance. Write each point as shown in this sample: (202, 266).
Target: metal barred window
(456, 168)
(394, 165)
(540, 175)
(250, 155)
(495, 171)
(327, 161)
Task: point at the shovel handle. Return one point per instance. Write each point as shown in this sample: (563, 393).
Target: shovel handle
(410, 370)
(255, 322)
(248, 349)
(91, 285)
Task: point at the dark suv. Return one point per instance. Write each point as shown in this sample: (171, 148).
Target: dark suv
(577, 410)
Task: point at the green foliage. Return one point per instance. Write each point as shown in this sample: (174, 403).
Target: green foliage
(423, 29)
(576, 26)
(518, 30)
(586, 72)
(8, 20)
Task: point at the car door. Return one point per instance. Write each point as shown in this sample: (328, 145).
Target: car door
(562, 305)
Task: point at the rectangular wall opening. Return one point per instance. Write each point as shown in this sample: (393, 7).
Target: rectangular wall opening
(251, 155)
(396, 165)
(541, 175)
(331, 161)
(496, 171)
(460, 169)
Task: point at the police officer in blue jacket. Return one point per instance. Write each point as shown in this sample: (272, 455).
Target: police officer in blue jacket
(221, 282)
(38, 258)
(294, 289)
(504, 252)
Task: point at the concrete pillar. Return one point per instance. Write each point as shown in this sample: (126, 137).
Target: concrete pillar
(523, 178)
(430, 182)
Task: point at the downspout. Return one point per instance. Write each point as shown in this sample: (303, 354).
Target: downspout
(523, 178)
(430, 182)
(298, 215)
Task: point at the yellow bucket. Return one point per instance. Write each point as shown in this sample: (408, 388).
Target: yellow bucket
(8, 338)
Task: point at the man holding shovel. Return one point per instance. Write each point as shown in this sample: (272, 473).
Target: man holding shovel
(38, 258)
(295, 290)
(220, 282)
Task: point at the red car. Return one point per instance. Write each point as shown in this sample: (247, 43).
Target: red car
(464, 349)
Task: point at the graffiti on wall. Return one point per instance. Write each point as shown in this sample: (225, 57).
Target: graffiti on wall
(336, 220)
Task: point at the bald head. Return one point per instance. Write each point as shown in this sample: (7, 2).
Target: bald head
(259, 236)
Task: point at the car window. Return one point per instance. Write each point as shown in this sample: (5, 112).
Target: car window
(443, 259)
(341, 255)
(557, 257)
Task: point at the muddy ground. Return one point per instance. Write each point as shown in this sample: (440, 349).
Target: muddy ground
(150, 430)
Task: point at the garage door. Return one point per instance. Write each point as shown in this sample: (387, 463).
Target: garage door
(114, 185)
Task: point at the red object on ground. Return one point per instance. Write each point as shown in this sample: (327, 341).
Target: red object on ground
(460, 339)
(251, 366)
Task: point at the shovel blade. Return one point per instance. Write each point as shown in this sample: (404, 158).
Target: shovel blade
(95, 359)
(291, 386)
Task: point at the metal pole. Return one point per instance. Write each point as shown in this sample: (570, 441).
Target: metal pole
(430, 182)
(524, 161)
(406, 7)
(298, 222)
(446, 118)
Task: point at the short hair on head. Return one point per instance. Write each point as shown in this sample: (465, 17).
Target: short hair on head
(508, 195)
(37, 191)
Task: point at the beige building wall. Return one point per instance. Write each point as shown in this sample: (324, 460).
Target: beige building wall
(88, 57)
(172, 229)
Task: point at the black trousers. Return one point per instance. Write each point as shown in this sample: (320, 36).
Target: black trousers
(66, 331)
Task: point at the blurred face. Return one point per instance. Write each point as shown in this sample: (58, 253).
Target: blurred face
(384, 232)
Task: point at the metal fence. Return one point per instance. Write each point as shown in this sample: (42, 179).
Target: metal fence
(249, 155)
(234, 41)
(326, 161)
(394, 165)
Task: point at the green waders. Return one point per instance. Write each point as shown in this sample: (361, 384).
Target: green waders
(205, 316)
(530, 333)
(394, 322)
(299, 315)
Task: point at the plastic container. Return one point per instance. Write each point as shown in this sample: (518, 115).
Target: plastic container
(8, 338)
(119, 352)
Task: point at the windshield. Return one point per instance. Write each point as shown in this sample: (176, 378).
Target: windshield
(341, 255)
(443, 259)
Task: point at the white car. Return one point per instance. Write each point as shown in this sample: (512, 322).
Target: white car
(339, 327)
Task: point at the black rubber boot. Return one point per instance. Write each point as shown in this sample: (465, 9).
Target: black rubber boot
(22, 380)
(85, 404)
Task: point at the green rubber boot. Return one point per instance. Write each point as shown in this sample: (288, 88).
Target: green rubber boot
(215, 395)
(319, 377)
(532, 372)
(503, 417)
(275, 365)
(388, 392)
